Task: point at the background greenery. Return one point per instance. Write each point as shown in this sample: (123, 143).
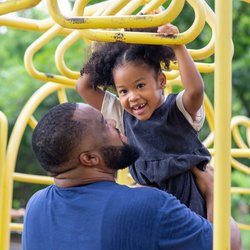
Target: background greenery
(17, 86)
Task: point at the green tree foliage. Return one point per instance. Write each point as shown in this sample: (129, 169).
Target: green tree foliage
(241, 60)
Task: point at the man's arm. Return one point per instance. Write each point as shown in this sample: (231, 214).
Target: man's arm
(235, 236)
(205, 183)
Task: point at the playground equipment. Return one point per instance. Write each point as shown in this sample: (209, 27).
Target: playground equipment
(86, 22)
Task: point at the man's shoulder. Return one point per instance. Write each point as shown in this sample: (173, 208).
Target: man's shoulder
(147, 195)
(40, 194)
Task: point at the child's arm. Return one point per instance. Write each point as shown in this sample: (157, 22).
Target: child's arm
(88, 93)
(190, 76)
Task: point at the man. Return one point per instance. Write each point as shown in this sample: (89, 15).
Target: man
(86, 208)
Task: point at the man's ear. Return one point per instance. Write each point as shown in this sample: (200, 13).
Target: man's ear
(162, 80)
(89, 158)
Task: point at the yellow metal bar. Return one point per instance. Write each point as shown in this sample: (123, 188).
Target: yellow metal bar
(33, 48)
(235, 152)
(16, 5)
(209, 112)
(60, 52)
(210, 120)
(170, 75)
(43, 25)
(78, 22)
(223, 82)
(32, 122)
(239, 166)
(79, 7)
(239, 121)
(91, 9)
(29, 178)
(62, 97)
(115, 7)
(3, 144)
(152, 38)
(209, 140)
(238, 138)
(236, 190)
(11, 155)
(16, 227)
(26, 24)
(243, 226)
(30, 25)
(208, 50)
(75, 35)
(130, 7)
(202, 67)
(71, 39)
(152, 5)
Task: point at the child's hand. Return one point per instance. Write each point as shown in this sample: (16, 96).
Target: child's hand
(168, 30)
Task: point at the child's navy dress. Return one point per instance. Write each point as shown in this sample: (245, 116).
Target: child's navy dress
(170, 148)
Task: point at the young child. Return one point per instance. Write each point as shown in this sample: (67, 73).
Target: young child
(164, 127)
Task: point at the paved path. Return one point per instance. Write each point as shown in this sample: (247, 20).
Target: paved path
(15, 246)
(15, 243)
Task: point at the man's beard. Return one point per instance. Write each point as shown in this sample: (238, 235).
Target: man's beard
(119, 157)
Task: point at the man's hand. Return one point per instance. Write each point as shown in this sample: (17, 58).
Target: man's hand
(205, 183)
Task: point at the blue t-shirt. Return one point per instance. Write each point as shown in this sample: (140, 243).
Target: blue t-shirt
(109, 216)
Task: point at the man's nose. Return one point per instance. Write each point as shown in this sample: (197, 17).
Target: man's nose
(111, 122)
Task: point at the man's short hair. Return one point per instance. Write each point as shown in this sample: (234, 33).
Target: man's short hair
(56, 136)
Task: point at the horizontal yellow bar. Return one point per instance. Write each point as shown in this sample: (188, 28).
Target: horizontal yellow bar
(28, 178)
(202, 67)
(97, 22)
(16, 227)
(30, 24)
(152, 38)
(236, 152)
(240, 190)
(243, 226)
(16, 5)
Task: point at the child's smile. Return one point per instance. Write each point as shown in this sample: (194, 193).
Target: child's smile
(139, 109)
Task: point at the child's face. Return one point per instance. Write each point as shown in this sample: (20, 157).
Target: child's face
(139, 89)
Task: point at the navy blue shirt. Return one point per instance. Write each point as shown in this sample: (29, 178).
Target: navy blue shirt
(109, 216)
(170, 148)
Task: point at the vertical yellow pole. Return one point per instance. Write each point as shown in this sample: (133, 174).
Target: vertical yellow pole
(3, 143)
(223, 82)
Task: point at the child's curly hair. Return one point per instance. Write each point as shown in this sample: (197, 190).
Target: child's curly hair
(109, 56)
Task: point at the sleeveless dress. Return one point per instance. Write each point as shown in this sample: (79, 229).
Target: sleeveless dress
(169, 147)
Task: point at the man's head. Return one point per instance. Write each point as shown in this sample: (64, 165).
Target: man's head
(73, 135)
